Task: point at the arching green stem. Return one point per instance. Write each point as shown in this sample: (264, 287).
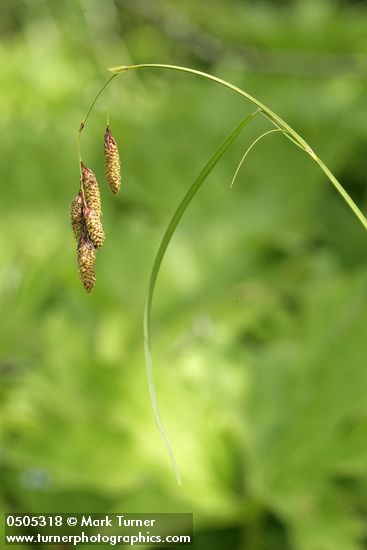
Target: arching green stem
(279, 122)
(83, 122)
(270, 114)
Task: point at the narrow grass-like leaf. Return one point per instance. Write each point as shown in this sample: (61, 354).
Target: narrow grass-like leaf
(249, 149)
(154, 274)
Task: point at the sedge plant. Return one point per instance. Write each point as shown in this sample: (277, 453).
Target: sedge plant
(88, 231)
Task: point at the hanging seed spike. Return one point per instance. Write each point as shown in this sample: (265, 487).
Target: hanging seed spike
(112, 162)
(91, 189)
(86, 254)
(77, 216)
(94, 227)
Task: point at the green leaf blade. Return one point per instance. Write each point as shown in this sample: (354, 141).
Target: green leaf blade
(170, 230)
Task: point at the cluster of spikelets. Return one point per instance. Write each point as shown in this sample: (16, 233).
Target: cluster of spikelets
(86, 211)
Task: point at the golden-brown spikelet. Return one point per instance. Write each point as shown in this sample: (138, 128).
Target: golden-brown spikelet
(94, 227)
(87, 264)
(77, 216)
(112, 162)
(91, 189)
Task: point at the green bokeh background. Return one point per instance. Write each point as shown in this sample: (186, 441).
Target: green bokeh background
(260, 316)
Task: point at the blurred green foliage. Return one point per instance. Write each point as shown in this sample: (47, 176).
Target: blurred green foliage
(259, 324)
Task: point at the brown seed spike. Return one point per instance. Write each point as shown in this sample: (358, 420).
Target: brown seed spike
(77, 216)
(87, 263)
(112, 162)
(94, 227)
(91, 189)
